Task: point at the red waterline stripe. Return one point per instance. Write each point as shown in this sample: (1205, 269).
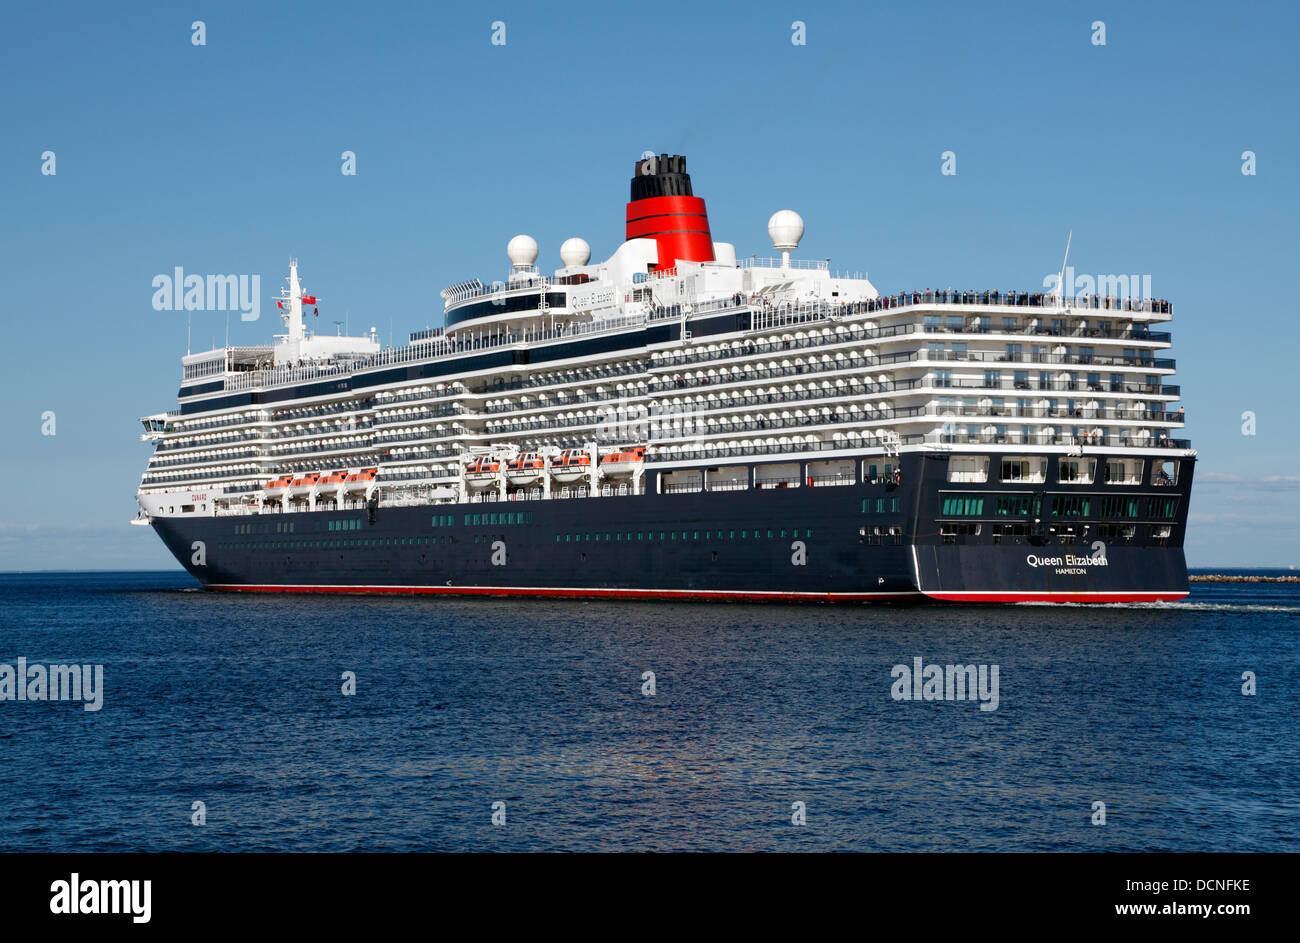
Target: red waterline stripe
(1064, 596)
(570, 593)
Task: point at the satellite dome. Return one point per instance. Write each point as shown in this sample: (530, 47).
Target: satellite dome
(575, 251)
(785, 229)
(522, 250)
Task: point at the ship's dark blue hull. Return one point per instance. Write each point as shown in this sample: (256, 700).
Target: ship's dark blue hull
(879, 541)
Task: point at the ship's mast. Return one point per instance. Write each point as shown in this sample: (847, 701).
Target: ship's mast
(291, 312)
(1062, 301)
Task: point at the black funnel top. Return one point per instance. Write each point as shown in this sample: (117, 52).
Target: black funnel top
(661, 176)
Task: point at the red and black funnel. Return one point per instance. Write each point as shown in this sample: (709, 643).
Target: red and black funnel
(664, 209)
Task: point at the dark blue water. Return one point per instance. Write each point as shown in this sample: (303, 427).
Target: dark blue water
(235, 701)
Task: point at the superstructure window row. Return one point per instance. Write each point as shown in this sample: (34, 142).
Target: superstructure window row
(1059, 506)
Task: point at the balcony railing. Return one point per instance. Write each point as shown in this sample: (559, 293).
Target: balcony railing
(804, 264)
(1011, 437)
(206, 425)
(442, 412)
(1032, 384)
(1114, 414)
(665, 384)
(992, 356)
(191, 442)
(1021, 299)
(848, 334)
(694, 452)
(155, 463)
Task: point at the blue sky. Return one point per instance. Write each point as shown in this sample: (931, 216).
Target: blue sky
(225, 158)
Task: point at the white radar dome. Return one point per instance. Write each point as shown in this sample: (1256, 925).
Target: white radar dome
(785, 229)
(522, 250)
(575, 251)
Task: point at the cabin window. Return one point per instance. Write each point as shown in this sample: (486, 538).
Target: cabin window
(1164, 473)
(963, 505)
(1024, 469)
(1076, 471)
(1070, 506)
(951, 531)
(1163, 508)
(968, 468)
(1123, 471)
(1012, 505)
(1121, 506)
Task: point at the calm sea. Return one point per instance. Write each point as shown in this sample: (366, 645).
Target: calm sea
(236, 702)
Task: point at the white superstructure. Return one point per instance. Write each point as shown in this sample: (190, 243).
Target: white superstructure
(704, 365)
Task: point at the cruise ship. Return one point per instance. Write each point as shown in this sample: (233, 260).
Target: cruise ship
(678, 422)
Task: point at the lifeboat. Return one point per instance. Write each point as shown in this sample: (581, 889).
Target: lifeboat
(301, 487)
(331, 483)
(572, 465)
(278, 485)
(359, 482)
(623, 463)
(481, 472)
(526, 469)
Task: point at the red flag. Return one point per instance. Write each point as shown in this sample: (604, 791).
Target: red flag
(279, 304)
(309, 299)
(316, 311)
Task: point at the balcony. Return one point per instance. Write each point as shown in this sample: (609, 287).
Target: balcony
(996, 357)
